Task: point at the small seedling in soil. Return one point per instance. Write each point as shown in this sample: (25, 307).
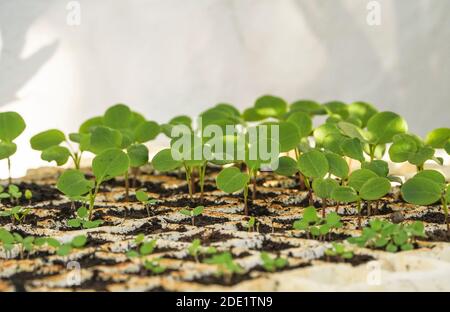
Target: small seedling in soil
(142, 197)
(154, 266)
(28, 196)
(193, 213)
(272, 264)
(313, 165)
(66, 248)
(196, 249)
(14, 194)
(250, 225)
(16, 213)
(389, 236)
(83, 220)
(426, 188)
(226, 266)
(363, 184)
(11, 126)
(315, 226)
(439, 138)
(231, 180)
(6, 240)
(142, 250)
(339, 250)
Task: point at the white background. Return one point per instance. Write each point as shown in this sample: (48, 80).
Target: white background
(167, 57)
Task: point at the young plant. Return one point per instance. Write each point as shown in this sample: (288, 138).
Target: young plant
(272, 264)
(82, 220)
(13, 193)
(363, 184)
(196, 249)
(339, 251)
(16, 213)
(109, 164)
(11, 126)
(426, 188)
(64, 249)
(49, 144)
(313, 165)
(142, 197)
(315, 226)
(411, 148)
(252, 222)
(192, 213)
(389, 236)
(142, 250)
(28, 196)
(439, 138)
(231, 180)
(226, 266)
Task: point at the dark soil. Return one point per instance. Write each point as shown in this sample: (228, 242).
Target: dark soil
(187, 202)
(431, 217)
(135, 213)
(41, 192)
(151, 227)
(19, 279)
(330, 237)
(200, 221)
(272, 246)
(437, 236)
(354, 261)
(208, 238)
(261, 228)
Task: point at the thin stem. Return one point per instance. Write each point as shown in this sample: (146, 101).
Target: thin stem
(308, 187)
(324, 206)
(297, 153)
(202, 180)
(254, 174)
(127, 186)
(245, 199)
(372, 148)
(445, 208)
(359, 214)
(9, 171)
(368, 208)
(92, 199)
(188, 179)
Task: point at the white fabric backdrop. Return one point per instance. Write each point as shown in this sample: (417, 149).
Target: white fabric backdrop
(166, 57)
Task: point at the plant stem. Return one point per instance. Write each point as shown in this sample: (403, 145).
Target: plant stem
(254, 174)
(188, 180)
(202, 180)
(324, 206)
(245, 199)
(368, 208)
(445, 208)
(92, 199)
(359, 214)
(193, 180)
(420, 168)
(308, 187)
(9, 171)
(127, 187)
(372, 148)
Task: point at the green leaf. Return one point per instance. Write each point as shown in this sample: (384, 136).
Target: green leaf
(383, 126)
(186, 212)
(64, 250)
(363, 111)
(75, 223)
(73, 183)
(432, 175)
(231, 180)
(287, 166)
(289, 137)
(438, 138)
(79, 241)
(251, 114)
(421, 191)
(333, 219)
(302, 122)
(422, 155)
(391, 248)
(82, 212)
(147, 248)
(447, 147)
(313, 164)
(375, 188)
(132, 254)
(359, 177)
(310, 215)
(46, 139)
(104, 138)
(109, 164)
(325, 130)
(337, 165)
(146, 131)
(198, 211)
(59, 154)
(138, 154)
(92, 224)
(7, 149)
(308, 106)
(344, 194)
(337, 108)
(163, 161)
(181, 120)
(380, 167)
(324, 187)
(351, 131)
(353, 149)
(118, 116)
(89, 125)
(142, 196)
(11, 126)
(270, 106)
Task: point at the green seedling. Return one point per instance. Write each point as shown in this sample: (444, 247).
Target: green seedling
(231, 180)
(82, 220)
(109, 164)
(411, 148)
(266, 106)
(226, 266)
(144, 248)
(272, 264)
(323, 189)
(62, 249)
(315, 226)
(252, 222)
(389, 236)
(142, 197)
(313, 165)
(11, 126)
(13, 194)
(340, 251)
(16, 213)
(154, 266)
(426, 188)
(49, 144)
(196, 249)
(28, 196)
(363, 184)
(192, 213)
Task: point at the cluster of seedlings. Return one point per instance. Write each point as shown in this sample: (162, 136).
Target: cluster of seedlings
(317, 157)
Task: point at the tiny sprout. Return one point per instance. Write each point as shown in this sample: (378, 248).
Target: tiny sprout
(83, 220)
(315, 226)
(142, 196)
(15, 193)
(28, 196)
(195, 249)
(66, 248)
(272, 264)
(193, 213)
(251, 224)
(154, 266)
(225, 265)
(16, 213)
(339, 250)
